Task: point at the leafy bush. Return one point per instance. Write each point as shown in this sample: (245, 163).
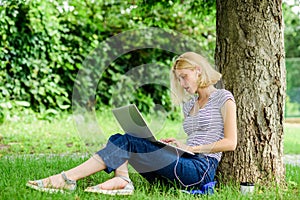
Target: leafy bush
(45, 43)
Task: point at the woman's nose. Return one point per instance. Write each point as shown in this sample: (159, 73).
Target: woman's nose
(182, 83)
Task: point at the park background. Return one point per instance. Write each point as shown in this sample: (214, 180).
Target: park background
(43, 45)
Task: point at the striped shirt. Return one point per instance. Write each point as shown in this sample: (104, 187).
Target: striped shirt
(206, 126)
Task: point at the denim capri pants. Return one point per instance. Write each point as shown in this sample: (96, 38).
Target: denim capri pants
(156, 162)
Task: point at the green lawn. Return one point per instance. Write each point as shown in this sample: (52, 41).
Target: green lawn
(29, 148)
(28, 135)
(292, 139)
(17, 170)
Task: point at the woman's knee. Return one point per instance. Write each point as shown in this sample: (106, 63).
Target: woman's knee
(121, 139)
(115, 137)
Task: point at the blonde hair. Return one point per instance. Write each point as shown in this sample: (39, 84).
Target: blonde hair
(190, 60)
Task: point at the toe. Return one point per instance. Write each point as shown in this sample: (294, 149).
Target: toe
(91, 189)
(32, 182)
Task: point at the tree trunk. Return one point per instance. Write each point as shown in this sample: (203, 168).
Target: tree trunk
(250, 55)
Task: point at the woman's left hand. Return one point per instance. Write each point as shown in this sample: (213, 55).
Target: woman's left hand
(176, 143)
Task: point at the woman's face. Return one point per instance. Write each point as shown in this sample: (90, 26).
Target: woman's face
(188, 79)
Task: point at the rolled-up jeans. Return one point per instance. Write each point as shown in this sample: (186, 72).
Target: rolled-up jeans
(157, 162)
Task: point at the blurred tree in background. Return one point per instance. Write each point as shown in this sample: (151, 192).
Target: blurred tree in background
(292, 48)
(44, 43)
(292, 29)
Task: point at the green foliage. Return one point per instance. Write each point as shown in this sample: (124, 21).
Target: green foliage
(45, 43)
(292, 49)
(293, 87)
(291, 31)
(29, 70)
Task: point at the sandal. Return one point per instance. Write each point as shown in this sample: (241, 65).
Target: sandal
(127, 190)
(70, 185)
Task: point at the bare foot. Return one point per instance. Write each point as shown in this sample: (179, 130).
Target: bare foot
(55, 181)
(113, 184)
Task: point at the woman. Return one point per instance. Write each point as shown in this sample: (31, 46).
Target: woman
(209, 121)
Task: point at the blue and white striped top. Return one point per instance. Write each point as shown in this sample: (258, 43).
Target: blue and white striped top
(207, 125)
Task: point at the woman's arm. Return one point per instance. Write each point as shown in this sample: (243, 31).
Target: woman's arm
(229, 142)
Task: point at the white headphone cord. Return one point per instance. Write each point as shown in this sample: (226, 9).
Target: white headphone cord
(179, 178)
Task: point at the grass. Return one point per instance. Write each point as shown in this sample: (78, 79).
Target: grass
(17, 170)
(29, 148)
(292, 139)
(28, 135)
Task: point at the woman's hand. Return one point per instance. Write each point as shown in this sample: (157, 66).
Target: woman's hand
(168, 140)
(177, 143)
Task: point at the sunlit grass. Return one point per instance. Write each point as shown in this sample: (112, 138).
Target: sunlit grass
(26, 134)
(17, 170)
(292, 139)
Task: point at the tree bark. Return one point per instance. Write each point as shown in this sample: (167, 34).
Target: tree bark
(250, 55)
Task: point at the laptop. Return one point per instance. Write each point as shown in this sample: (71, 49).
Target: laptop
(132, 122)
